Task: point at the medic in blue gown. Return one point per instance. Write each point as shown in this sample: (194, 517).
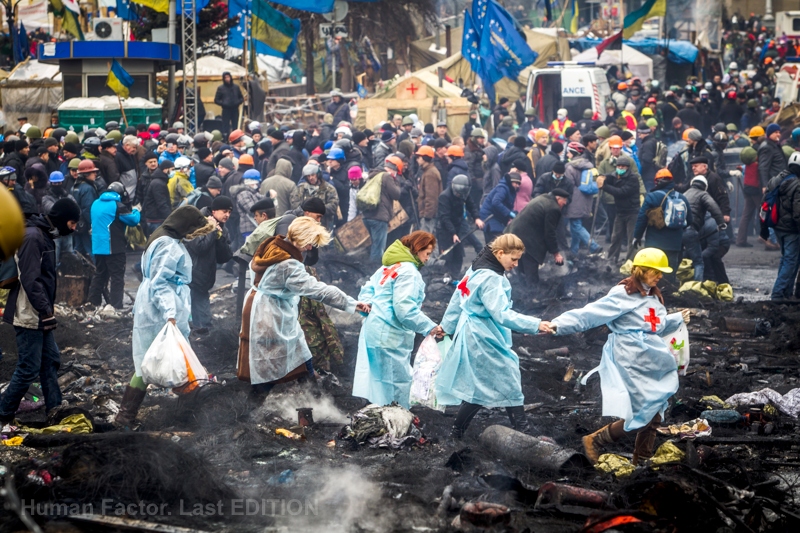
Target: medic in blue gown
(396, 292)
(638, 374)
(163, 295)
(481, 369)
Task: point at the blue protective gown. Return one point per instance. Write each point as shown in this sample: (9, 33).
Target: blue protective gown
(481, 367)
(637, 372)
(383, 367)
(163, 294)
(277, 342)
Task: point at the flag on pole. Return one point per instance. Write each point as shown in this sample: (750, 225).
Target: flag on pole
(313, 6)
(570, 22)
(119, 80)
(162, 6)
(68, 11)
(634, 20)
(21, 46)
(275, 29)
(610, 43)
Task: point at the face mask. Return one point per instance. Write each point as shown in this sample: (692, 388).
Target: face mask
(253, 184)
(561, 117)
(558, 178)
(621, 171)
(172, 173)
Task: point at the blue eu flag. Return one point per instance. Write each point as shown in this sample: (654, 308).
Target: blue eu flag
(504, 51)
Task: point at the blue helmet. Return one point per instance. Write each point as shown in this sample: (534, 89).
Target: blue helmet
(56, 177)
(252, 174)
(337, 154)
(796, 134)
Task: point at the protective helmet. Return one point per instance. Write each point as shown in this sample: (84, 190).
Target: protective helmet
(112, 125)
(731, 95)
(733, 66)
(457, 151)
(117, 187)
(183, 162)
(615, 141)
(664, 174)
(178, 125)
(407, 121)
(100, 132)
(336, 154)
(8, 174)
(396, 161)
(92, 142)
(216, 135)
(184, 141)
(720, 137)
(655, 84)
(252, 174)
(794, 159)
(756, 131)
(752, 104)
(114, 135)
(74, 163)
(702, 180)
(33, 133)
(56, 177)
(71, 137)
(576, 147)
(622, 86)
(172, 138)
(647, 112)
(154, 127)
(748, 155)
(478, 132)
(58, 133)
(652, 258)
(254, 126)
(426, 151)
(685, 136)
(796, 134)
(703, 92)
(86, 166)
(345, 144)
(235, 136)
(732, 128)
(460, 186)
(12, 224)
(708, 86)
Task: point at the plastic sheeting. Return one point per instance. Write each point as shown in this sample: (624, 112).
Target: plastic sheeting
(103, 103)
(788, 403)
(639, 64)
(679, 51)
(209, 67)
(33, 90)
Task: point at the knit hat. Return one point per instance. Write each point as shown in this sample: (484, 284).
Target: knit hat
(603, 132)
(624, 161)
(387, 136)
(20, 145)
(772, 128)
(569, 132)
(166, 164)
(64, 211)
(203, 152)
(557, 147)
(221, 203)
(513, 177)
(214, 183)
(73, 148)
(314, 205)
(263, 205)
(358, 136)
(355, 173)
(520, 142)
(560, 192)
(149, 155)
(694, 135)
(227, 162)
(50, 141)
(559, 167)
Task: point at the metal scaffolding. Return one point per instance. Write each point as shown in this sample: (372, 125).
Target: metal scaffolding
(189, 41)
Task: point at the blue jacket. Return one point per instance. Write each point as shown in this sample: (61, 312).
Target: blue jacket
(109, 220)
(666, 239)
(166, 156)
(500, 203)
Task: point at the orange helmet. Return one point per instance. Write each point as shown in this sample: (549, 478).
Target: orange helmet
(426, 150)
(686, 134)
(396, 161)
(235, 135)
(767, 60)
(455, 151)
(246, 159)
(615, 141)
(664, 174)
(622, 86)
(756, 132)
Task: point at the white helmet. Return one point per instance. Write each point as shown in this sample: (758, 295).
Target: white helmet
(702, 180)
(794, 159)
(178, 125)
(733, 66)
(183, 162)
(24, 128)
(708, 85)
(255, 125)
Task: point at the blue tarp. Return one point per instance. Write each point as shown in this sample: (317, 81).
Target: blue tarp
(679, 51)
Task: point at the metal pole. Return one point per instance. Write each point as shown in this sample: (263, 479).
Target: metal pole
(171, 25)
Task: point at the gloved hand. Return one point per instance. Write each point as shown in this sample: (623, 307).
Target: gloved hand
(49, 323)
(735, 173)
(636, 243)
(730, 186)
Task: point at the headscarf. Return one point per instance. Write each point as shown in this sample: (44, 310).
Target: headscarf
(186, 222)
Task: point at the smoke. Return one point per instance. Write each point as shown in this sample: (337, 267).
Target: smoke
(286, 403)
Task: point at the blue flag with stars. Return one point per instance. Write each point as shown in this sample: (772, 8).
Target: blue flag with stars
(479, 8)
(504, 51)
(470, 50)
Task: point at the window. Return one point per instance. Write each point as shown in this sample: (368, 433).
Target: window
(96, 86)
(73, 85)
(796, 24)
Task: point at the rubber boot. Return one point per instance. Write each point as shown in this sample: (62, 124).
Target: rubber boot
(519, 421)
(131, 401)
(466, 413)
(598, 438)
(645, 441)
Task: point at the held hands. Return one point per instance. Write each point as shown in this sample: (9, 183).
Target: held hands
(361, 307)
(437, 332)
(685, 314)
(547, 327)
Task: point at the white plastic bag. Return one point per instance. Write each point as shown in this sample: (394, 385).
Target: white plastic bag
(678, 344)
(171, 362)
(426, 367)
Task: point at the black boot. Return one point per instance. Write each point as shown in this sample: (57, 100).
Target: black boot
(518, 418)
(131, 401)
(466, 413)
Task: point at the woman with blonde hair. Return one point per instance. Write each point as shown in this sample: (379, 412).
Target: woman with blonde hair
(481, 369)
(638, 374)
(271, 334)
(395, 292)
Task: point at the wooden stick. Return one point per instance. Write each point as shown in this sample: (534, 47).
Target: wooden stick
(122, 110)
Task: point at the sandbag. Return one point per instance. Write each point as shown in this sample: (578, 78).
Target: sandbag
(171, 362)
(369, 197)
(685, 271)
(725, 292)
(626, 268)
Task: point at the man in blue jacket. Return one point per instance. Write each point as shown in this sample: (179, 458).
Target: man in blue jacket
(30, 308)
(110, 218)
(668, 240)
(500, 205)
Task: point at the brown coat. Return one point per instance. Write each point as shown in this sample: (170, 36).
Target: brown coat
(430, 187)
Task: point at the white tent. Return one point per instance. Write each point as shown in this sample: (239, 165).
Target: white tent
(33, 90)
(209, 67)
(639, 64)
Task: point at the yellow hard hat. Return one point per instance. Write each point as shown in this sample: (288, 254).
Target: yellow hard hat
(12, 225)
(652, 258)
(756, 132)
(647, 112)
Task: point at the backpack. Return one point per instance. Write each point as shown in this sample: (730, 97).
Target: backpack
(769, 214)
(369, 196)
(588, 184)
(192, 199)
(671, 213)
(660, 160)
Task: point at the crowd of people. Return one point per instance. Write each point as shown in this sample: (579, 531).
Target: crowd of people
(653, 169)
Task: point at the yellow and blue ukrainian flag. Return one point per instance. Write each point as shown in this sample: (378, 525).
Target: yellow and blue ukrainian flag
(119, 80)
(634, 20)
(274, 29)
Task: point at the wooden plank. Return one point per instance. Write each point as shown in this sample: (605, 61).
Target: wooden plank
(353, 235)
